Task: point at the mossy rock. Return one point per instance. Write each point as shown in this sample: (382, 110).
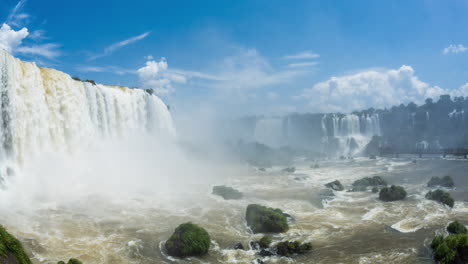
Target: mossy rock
(265, 241)
(441, 197)
(375, 189)
(368, 181)
(456, 227)
(188, 240)
(262, 219)
(335, 185)
(392, 193)
(71, 261)
(452, 249)
(290, 169)
(289, 248)
(445, 181)
(228, 193)
(11, 250)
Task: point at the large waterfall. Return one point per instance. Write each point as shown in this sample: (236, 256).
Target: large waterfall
(44, 109)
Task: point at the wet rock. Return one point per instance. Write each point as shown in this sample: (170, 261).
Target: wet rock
(335, 185)
(456, 227)
(258, 261)
(301, 177)
(265, 241)
(452, 249)
(441, 197)
(262, 219)
(445, 181)
(316, 166)
(254, 245)
(290, 169)
(238, 246)
(266, 253)
(289, 248)
(373, 157)
(393, 193)
(228, 193)
(368, 181)
(71, 261)
(188, 240)
(11, 250)
(359, 188)
(375, 189)
(414, 161)
(342, 157)
(261, 169)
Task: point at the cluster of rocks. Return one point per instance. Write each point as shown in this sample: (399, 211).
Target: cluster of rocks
(439, 195)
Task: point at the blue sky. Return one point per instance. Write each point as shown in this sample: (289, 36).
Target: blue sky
(257, 56)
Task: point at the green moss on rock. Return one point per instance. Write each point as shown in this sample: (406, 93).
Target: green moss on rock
(188, 240)
(265, 241)
(263, 219)
(289, 248)
(368, 181)
(394, 193)
(441, 197)
(451, 249)
(11, 250)
(445, 181)
(456, 227)
(335, 185)
(228, 193)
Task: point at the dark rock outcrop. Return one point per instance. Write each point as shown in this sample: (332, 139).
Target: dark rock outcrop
(368, 181)
(335, 185)
(441, 197)
(238, 246)
(263, 219)
(188, 240)
(228, 193)
(445, 181)
(289, 248)
(392, 193)
(290, 169)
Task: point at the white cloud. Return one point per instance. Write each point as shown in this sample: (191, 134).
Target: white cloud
(10, 39)
(116, 46)
(455, 49)
(155, 75)
(48, 50)
(149, 57)
(378, 89)
(302, 64)
(302, 55)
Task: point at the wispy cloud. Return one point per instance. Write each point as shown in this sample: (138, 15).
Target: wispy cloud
(302, 64)
(110, 69)
(48, 50)
(302, 55)
(15, 17)
(454, 49)
(116, 46)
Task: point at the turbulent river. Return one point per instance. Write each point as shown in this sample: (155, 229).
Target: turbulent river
(349, 227)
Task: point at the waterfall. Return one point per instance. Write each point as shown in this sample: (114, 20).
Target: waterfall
(44, 109)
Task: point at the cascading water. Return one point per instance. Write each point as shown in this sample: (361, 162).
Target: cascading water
(46, 110)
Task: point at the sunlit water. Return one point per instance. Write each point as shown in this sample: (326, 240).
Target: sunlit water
(351, 227)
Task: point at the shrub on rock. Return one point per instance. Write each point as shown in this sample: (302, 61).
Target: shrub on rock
(265, 241)
(445, 181)
(11, 250)
(188, 240)
(290, 169)
(228, 193)
(452, 249)
(262, 219)
(368, 181)
(335, 185)
(289, 248)
(441, 197)
(456, 227)
(394, 193)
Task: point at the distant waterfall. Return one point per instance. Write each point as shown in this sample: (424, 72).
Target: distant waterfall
(348, 134)
(46, 110)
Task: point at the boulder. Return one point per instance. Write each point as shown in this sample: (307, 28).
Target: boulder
(452, 249)
(368, 181)
(188, 240)
(441, 197)
(228, 193)
(263, 219)
(290, 169)
(238, 246)
(445, 181)
(392, 193)
(266, 252)
(265, 241)
(375, 189)
(289, 248)
(11, 250)
(456, 227)
(335, 185)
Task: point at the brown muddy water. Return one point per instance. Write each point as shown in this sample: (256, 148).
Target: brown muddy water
(349, 227)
